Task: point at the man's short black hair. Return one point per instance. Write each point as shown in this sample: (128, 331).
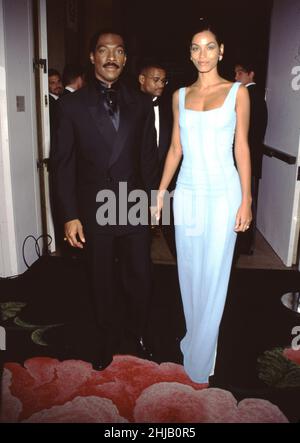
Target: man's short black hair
(52, 72)
(71, 73)
(144, 67)
(246, 66)
(97, 35)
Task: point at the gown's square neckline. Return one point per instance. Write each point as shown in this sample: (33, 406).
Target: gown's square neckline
(208, 110)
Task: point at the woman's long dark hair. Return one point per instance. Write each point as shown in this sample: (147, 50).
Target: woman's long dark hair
(206, 25)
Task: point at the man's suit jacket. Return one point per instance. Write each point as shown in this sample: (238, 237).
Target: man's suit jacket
(257, 129)
(66, 92)
(165, 135)
(89, 155)
(52, 114)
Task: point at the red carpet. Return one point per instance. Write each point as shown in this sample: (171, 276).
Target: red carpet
(48, 324)
(132, 390)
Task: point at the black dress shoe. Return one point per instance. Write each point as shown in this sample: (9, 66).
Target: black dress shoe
(216, 382)
(145, 351)
(167, 350)
(101, 364)
(135, 346)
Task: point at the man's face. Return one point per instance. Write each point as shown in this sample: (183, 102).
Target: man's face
(153, 81)
(109, 58)
(242, 76)
(55, 85)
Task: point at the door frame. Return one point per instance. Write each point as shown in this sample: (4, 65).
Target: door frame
(43, 123)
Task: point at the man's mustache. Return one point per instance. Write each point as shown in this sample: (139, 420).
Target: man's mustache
(107, 65)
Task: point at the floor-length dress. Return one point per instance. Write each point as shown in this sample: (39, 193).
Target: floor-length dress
(206, 200)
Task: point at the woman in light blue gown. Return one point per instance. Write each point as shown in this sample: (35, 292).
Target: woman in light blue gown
(212, 200)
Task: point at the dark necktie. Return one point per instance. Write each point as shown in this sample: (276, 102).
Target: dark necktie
(155, 102)
(111, 105)
(111, 100)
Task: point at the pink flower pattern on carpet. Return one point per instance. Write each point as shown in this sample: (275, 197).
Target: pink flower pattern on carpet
(46, 390)
(292, 355)
(177, 403)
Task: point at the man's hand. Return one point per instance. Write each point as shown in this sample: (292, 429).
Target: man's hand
(153, 213)
(159, 204)
(73, 231)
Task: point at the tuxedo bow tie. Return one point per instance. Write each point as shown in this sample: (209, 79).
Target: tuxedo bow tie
(111, 100)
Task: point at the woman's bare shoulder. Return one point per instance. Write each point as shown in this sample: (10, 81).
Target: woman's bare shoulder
(226, 83)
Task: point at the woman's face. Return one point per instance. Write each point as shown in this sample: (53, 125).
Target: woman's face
(205, 51)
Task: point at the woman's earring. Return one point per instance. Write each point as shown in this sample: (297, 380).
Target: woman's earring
(220, 57)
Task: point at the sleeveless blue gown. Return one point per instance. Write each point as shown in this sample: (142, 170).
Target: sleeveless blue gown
(206, 200)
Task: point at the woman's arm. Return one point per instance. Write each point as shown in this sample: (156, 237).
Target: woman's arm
(242, 157)
(175, 151)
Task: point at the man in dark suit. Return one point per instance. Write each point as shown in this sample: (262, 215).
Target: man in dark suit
(152, 80)
(104, 149)
(73, 78)
(245, 74)
(55, 91)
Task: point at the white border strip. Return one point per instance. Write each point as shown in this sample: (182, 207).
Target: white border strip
(8, 245)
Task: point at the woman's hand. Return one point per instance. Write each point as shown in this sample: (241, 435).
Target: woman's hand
(243, 218)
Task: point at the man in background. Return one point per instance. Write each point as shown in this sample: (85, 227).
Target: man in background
(153, 80)
(55, 91)
(73, 78)
(245, 73)
(56, 88)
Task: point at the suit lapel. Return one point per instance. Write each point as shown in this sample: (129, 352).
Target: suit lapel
(100, 117)
(127, 105)
(163, 133)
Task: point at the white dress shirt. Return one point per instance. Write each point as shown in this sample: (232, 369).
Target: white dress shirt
(56, 97)
(156, 113)
(70, 89)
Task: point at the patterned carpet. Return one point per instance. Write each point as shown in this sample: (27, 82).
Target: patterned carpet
(130, 390)
(47, 376)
